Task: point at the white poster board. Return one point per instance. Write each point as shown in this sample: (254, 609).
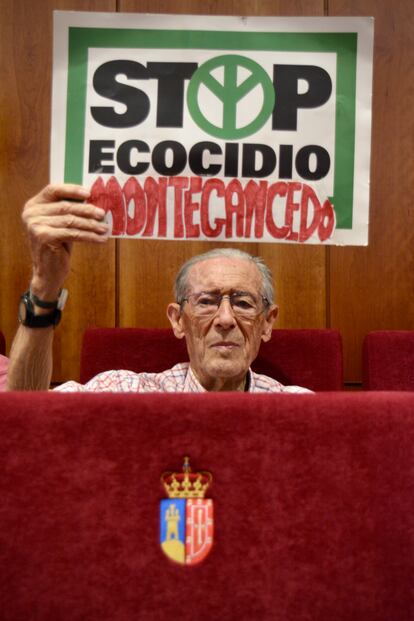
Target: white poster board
(217, 128)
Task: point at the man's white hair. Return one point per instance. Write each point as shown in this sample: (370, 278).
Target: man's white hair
(181, 280)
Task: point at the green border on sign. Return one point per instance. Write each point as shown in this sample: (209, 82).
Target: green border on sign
(344, 45)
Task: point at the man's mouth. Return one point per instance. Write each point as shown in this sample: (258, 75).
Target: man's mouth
(225, 345)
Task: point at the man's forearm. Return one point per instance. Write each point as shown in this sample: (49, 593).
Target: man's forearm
(30, 365)
(54, 219)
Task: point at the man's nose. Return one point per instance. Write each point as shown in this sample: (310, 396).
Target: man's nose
(225, 315)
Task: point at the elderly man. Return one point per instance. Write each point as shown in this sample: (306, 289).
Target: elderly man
(224, 308)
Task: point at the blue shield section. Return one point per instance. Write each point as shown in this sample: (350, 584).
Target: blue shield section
(172, 528)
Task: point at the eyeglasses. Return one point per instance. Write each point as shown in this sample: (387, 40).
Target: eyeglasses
(243, 304)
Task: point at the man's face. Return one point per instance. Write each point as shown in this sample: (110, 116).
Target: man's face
(222, 345)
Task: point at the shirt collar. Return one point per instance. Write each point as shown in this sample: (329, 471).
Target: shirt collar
(192, 384)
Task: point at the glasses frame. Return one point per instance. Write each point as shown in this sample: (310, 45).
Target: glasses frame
(221, 297)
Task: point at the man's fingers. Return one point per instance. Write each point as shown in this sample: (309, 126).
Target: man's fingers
(59, 214)
(65, 207)
(61, 236)
(69, 221)
(55, 192)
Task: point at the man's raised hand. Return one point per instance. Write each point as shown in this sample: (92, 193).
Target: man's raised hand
(56, 217)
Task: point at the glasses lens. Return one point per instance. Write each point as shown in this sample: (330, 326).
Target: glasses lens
(243, 304)
(206, 303)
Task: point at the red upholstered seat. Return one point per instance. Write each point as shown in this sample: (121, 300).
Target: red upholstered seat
(388, 360)
(309, 358)
(313, 500)
(2, 344)
(135, 349)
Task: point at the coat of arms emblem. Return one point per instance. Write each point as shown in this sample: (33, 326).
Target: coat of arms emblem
(186, 517)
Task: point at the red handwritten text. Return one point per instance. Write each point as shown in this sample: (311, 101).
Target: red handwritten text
(198, 208)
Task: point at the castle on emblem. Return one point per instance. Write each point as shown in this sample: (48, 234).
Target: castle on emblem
(186, 517)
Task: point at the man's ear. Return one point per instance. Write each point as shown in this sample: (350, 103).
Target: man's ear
(269, 320)
(175, 316)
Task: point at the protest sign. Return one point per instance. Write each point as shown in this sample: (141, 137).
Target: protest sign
(217, 128)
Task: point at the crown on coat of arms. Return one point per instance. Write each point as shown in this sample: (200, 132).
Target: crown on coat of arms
(186, 484)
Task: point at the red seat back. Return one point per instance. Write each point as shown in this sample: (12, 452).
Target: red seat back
(309, 358)
(388, 360)
(313, 503)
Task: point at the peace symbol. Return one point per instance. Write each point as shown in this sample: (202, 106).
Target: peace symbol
(230, 93)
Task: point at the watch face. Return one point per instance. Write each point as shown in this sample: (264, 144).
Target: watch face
(23, 309)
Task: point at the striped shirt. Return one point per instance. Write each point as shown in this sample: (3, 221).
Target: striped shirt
(4, 363)
(180, 378)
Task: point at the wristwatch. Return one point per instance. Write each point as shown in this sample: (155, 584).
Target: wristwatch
(27, 315)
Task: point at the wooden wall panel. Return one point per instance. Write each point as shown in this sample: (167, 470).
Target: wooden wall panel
(147, 268)
(373, 287)
(26, 53)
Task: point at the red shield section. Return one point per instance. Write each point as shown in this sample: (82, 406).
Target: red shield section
(199, 529)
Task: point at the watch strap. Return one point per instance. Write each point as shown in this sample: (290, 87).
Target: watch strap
(59, 303)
